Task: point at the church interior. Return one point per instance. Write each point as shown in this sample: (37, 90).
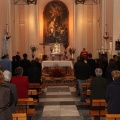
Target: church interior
(86, 24)
(56, 32)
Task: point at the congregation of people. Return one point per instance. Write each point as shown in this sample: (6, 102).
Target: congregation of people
(16, 75)
(105, 83)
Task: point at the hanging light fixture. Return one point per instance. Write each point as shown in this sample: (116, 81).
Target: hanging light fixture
(87, 2)
(24, 2)
(31, 2)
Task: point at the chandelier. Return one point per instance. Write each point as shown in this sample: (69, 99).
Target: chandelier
(87, 2)
(24, 2)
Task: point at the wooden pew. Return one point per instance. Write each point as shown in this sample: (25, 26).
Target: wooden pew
(85, 87)
(33, 94)
(112, 116)
(35, 86)
(19, 116)
(24, 104)
(98, 103)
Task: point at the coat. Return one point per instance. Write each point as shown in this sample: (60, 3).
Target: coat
(5, 101)
(22, 85)
(82, 70)
(98, 87)
(113, 97)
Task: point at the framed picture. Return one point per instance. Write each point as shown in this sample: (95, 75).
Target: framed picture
(55, 22)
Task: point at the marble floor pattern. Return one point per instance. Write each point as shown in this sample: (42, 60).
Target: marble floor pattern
(61, 103)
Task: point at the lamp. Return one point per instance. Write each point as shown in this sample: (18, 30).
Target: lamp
(87, 2)
(31, 2)
(24, 2)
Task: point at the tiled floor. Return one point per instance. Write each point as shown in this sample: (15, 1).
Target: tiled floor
(61, 103)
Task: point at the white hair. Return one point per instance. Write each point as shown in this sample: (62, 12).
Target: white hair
(7, 75)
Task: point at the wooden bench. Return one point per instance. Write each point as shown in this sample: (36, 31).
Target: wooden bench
(24, 104)
(19, 116)
(33, 94)
(85, 87)
(35, 86)
(112, 116)
(98, 103)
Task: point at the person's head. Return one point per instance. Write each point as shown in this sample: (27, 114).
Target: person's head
(112, 63)
(82, 58)
(7, 75)
(14, 58)
(115, 74)
(98, 71)
(33, 63)
(18, 58)
(84, 49)
(25, 56)
(19, 71)
(89, 55)
(37, 59)
(115, 57)
(6, 56)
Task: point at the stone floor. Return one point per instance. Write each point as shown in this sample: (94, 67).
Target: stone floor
(61, 103)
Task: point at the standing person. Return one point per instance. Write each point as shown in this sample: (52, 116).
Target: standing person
(5, 100)
(6, 63)
(113, 94)
(21, 83)
(82, 73)
(92, 64)
(34, 73)
(7, 77)
(111, 67)
(84, 53)
(25, 64)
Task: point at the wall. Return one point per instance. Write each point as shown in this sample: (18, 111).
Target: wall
(116, 23)
(4, 13)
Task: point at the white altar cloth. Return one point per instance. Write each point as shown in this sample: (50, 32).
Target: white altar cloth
(57, 63)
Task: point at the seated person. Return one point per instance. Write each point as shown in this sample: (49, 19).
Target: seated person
(98, 88)
(21, 83)
(5, 100)
(7, 78)
(98, 85)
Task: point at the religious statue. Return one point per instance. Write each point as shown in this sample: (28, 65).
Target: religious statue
(56, 48)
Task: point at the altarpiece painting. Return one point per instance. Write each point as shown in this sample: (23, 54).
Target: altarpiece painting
(55, 22)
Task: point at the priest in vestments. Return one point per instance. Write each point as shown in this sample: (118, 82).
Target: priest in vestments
(84, 53)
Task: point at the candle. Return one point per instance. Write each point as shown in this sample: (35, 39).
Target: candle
(41, 55)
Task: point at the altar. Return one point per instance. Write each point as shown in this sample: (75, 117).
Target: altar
(64, 66)
(62, 63)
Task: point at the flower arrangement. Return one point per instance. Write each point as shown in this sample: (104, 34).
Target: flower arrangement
(72, 50)
(65, 45)
(56, 72)
(33, 48)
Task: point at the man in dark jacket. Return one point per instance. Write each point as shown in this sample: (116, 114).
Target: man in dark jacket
(82, 73)
(25, 64)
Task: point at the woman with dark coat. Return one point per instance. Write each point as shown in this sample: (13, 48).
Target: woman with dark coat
(113, 94)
